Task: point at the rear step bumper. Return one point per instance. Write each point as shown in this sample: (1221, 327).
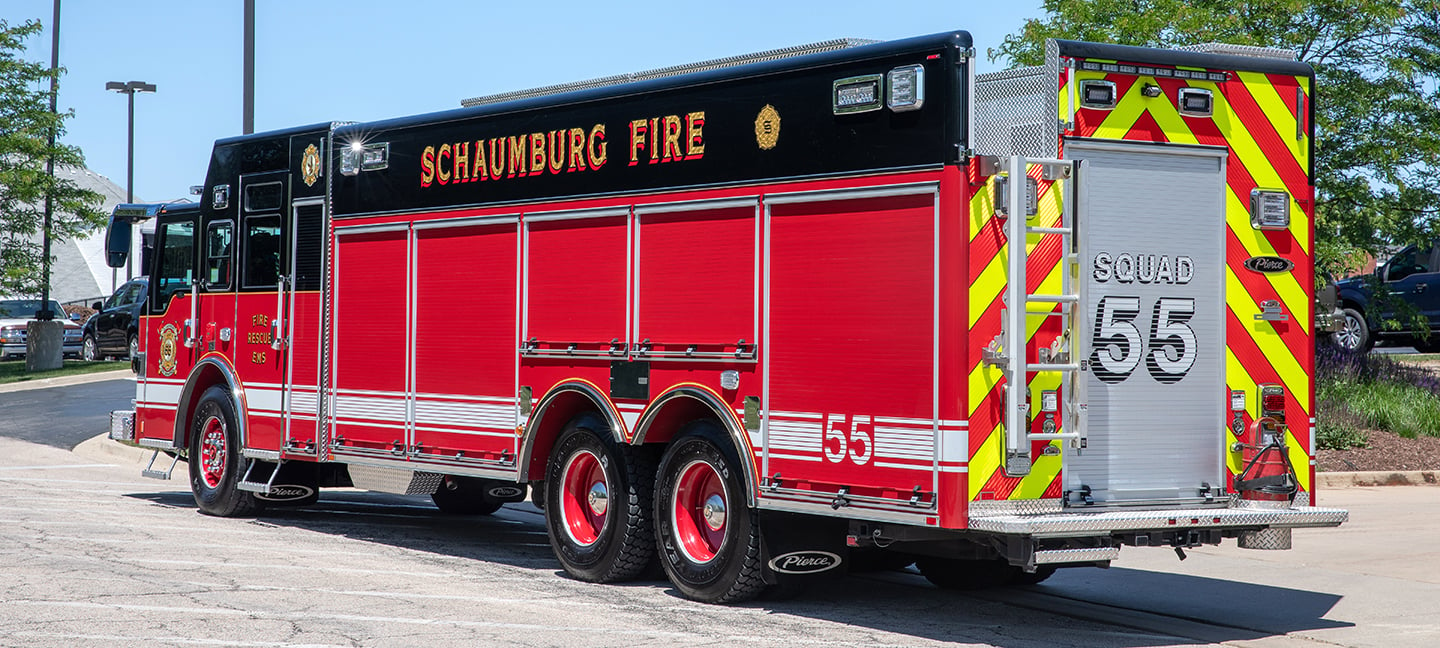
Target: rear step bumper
(1063, 525)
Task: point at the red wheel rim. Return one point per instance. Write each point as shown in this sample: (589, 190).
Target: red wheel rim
(213, 452)
(700, 508)
(584, 498)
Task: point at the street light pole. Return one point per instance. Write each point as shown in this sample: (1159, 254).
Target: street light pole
(129, 88)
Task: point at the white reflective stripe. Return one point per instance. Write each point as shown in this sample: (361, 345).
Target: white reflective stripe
(482, 415)
(367, 407)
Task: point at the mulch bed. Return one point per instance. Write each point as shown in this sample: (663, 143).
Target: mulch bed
(1387, 451)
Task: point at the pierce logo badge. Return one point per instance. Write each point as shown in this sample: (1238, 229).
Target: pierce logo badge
(804, 562)
(169, 342)
(1268, 264)
(286, 493)
(503, 492)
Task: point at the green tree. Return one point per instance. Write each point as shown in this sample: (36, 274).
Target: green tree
(1377, 66)
(26, 122)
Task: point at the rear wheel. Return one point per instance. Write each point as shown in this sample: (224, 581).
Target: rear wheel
(597, 503)
(709, 539)
(215, 458)
(464, 496)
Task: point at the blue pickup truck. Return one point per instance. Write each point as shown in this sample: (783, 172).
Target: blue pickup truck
(1410, 277)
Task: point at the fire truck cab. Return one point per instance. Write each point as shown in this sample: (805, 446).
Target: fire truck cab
(758, 318)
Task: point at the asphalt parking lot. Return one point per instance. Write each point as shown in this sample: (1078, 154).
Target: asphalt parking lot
(95, 555)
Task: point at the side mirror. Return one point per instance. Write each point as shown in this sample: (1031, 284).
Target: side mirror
(97, 306)
(74, 317)
(117, 242)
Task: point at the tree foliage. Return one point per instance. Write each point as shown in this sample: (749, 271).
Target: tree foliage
(26, 122)
(1377, 65)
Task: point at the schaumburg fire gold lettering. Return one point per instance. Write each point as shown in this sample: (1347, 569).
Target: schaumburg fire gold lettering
(653, 140)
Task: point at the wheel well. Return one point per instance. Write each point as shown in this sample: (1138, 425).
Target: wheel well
(672, 411)
(558, 407)
(205, 376)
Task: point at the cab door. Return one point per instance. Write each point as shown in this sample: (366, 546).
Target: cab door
(169, 350)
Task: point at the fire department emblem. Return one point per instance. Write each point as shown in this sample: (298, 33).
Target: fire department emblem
(169, 341)
(310, 165)
(767, 127)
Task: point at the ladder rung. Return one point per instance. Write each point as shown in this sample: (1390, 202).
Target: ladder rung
(1052, 367)
(1047, 230)
(1054, 299)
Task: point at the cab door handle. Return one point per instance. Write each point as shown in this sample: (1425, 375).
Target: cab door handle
(1420, 287)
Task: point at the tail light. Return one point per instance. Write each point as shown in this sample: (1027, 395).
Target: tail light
(1272, 401)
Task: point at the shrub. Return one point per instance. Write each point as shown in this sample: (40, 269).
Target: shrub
(1356, 391)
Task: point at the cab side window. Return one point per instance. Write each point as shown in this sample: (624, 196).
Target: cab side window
(262, 247)
(219, 249)
(175, 270)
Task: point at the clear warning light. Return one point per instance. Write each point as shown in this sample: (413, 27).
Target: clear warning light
(905, 88)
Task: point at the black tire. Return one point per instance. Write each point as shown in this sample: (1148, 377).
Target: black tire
(215, 458)
(1354, 333)
(617, 542)
(89, 349)
(463, 496)
(132, 348)
(705, 562)
(1033, 578)
(955, 574)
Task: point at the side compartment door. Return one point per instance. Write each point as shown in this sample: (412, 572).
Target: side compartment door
(464, 337)
(850, 348)
(369, 331)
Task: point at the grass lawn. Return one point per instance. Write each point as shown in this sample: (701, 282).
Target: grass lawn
(14, 370)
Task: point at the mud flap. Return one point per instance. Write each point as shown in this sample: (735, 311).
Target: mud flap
(298, 484)
(802, 549)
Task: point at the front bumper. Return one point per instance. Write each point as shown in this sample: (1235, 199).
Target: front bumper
(122, 426)
(18, 350)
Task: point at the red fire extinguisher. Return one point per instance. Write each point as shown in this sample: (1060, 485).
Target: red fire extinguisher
(1268, 474)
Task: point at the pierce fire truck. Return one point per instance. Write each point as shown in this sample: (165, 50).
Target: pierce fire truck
(761, 318)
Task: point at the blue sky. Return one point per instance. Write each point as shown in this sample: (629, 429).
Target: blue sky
(361, 60)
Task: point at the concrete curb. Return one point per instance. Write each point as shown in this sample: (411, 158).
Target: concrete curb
(1378, 478)
(101, 448)
(46, 383)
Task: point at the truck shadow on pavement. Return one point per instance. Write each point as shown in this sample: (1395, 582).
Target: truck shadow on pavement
(1117, 607)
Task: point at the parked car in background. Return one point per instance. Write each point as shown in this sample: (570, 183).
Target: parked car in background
(113, 329)
(15, 318)
(1410, 277)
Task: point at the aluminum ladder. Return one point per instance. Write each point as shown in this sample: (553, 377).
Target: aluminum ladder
(1068, 354)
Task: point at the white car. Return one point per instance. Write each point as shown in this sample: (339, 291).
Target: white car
(15, 317)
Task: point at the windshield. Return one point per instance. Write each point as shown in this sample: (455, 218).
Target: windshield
(27, 308)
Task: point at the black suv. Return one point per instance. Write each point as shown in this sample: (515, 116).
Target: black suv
(1413, 277)
(113, 331)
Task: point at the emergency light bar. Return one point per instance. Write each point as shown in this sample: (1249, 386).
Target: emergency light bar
(1147, 70)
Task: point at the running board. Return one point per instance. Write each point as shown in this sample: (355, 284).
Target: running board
(263, 488)
(150, 471)
(1070, 556)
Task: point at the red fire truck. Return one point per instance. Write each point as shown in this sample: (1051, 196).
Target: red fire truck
(845, 301)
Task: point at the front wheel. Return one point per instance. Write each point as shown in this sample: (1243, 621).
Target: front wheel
(215, 458)
(89, 351)
(597, 503)
(709, 538)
